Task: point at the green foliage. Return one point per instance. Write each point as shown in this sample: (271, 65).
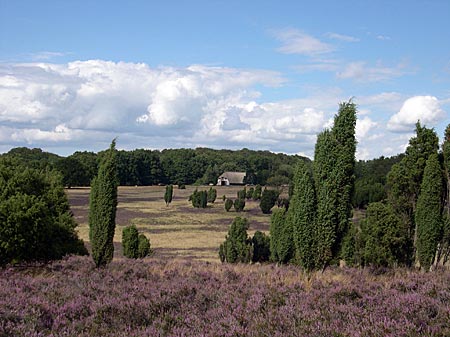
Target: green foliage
(199, 199)
(281, 237)
(212, 195)
(237, 246)
(35, 220)
(224, 197)
(168, 195)
(428, 213)
(257, 192)
(241, 194)
(239, 205)
(102, 208)
(144, 246)
(326, 198)
(249, 193)
(130, 242)
(228, 204)
(302, 216)
(268, 200)
(385, 242)
(261, 247)
(405, 178)
(334, 165)
(182, 187)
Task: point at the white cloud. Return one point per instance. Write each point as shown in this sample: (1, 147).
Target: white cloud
(84, 103)
(427, 109)
(341, 37)
(383, 37)
(361, 72)
(297, 42)
(363, 127)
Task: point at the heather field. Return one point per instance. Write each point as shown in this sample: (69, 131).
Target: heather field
(172, 297)
(177, 230)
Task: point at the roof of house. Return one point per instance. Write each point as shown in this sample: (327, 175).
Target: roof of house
(234, 177)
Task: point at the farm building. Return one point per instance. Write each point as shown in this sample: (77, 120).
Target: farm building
(231, 178)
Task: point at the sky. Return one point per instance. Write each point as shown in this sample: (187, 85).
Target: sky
(263, 75)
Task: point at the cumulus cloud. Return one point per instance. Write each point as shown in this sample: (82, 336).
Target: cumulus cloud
(85, 102)
(363, 127)
(427, 109)
(297, 42)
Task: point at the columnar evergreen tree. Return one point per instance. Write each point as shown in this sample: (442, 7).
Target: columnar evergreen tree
(326, 197)
(344, 169)
(281, 237)
(444, 245)
(237, 246)
(168, 195)
(334, 165)
(428, 213)
(102, 208)
(130, 242)
(302, 215)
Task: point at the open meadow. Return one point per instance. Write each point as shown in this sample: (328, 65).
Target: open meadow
(177, 230)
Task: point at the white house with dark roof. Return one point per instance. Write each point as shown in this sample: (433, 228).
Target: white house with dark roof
(231, 178)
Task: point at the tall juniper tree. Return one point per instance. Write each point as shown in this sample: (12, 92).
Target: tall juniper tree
(102, 208)
(334, 165)
(428, 213)
(302, 215)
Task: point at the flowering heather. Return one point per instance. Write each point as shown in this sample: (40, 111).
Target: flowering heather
(185, 298)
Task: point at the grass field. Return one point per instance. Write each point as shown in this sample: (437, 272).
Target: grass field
(177, 230)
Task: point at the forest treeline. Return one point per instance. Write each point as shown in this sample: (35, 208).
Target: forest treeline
(200, 166)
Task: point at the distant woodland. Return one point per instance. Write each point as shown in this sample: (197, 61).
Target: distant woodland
(200, 166)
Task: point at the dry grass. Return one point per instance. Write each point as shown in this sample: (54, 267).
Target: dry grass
(177, 230)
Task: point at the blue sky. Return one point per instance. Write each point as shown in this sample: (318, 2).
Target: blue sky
(222, 74)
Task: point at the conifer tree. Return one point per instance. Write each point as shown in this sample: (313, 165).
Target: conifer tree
(324, 160)
(281, 237)
(102, 208)
(444, 245)
(405, 178)
(428, 213)
(168, 195)
(344, 169)
(302, 215)
(237, 246)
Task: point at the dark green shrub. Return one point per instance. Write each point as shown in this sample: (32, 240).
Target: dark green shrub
(130, 242)
(212, 195)
(228, 204)
(250, 192)
(241, 194)
(199, 199)
(224, 197)
(239, 205)
(268, 200)
(144, 246)
(283, 202)
(257, 192)
(237, 246)
(261, 247)
(181, 186)
(35, 220)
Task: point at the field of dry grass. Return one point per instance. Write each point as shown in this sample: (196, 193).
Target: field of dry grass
(177, 230)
